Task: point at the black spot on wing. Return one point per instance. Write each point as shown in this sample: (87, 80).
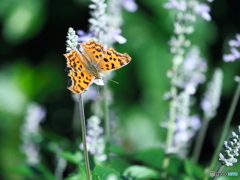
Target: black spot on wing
(85, 82)
(105, 59)
(113, 66)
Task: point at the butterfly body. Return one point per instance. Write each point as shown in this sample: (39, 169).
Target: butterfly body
(86, 66)
(93, 69)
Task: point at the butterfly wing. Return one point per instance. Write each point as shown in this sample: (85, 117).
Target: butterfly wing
(76, 61)
(93, 51)
(113, 60)
(80, 77)
(79, 81)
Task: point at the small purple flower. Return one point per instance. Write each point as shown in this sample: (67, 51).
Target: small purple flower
(129, 5)
(195, 122)
(181, 123)
(190, 88)
(206, 104)
(203, 10)
(181, 136)
(193, 71)
(180, 5)
(117, 37)
(235, 43)
(84, 36)
(234, 52)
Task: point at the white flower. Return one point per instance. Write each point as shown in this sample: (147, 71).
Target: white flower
(211, 98)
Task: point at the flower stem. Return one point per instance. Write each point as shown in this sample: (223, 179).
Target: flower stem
(200, 139)
(218, 171)
(225, 129)
(76, 123)
(82, 117)
(106, 120)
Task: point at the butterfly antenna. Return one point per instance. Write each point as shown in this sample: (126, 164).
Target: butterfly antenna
(113, 81)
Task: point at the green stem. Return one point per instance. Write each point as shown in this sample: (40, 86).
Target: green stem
(106, 120)
(225, 130)
(200, 139)
(172, 118)
(218, 171)
(76, 123)
(82, 117)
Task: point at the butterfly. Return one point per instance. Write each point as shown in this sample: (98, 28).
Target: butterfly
(84, 67)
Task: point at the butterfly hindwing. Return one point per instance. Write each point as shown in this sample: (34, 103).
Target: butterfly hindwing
(79, 81)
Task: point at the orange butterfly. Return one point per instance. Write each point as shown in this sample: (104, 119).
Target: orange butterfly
(85, 67)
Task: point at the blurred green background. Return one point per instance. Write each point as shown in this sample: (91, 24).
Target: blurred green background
(32, 44)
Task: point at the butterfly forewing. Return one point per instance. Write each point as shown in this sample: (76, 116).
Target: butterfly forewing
(93, 51)
(76, 61)
(113, 60)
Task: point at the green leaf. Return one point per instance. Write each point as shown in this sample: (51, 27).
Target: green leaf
(174, 165)
(76, 158)
(193, 170)
(141, 172)
(82, 175)
(24, 170)
(119, 164)
(152, 157)
(189, 167)
(46, 174)
(103, 172)
(79, 176)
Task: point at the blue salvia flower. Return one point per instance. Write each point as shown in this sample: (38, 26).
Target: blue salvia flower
(211, 98)
(191, 74)
(186, 73)
(186, 126)
(115, 21)
(234, 49)
(95, 140)
(30, 135)
(230, 149)
(106, 21)
(193, 5)
(98, 23)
